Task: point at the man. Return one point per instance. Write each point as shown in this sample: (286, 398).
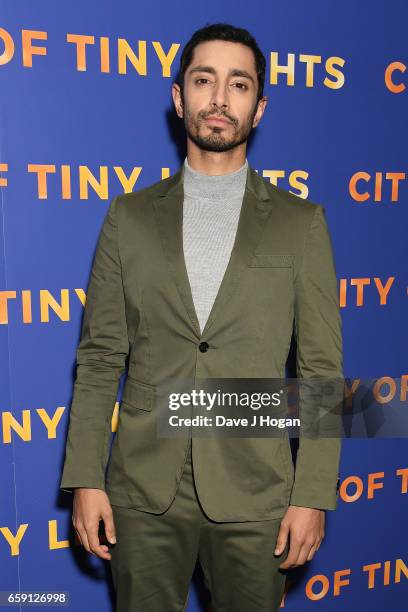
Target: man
(203, 275)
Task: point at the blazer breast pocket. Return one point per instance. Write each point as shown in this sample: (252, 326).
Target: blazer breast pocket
(138, 394)
(260, 260)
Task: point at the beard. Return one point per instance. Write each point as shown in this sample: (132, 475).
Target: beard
(219, 139)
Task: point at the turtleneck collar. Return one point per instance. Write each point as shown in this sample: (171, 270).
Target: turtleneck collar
(198, 184)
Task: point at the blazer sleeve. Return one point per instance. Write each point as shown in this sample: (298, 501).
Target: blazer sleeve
(318, 330)
(100, 362)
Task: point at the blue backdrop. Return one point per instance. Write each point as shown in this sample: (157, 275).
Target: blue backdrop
(335, 133)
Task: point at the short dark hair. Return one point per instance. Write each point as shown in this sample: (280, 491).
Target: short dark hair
(227, 32)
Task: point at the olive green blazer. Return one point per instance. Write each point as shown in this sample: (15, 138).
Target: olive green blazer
(139, 315)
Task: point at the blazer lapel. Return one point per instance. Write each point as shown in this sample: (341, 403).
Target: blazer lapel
(256, 206)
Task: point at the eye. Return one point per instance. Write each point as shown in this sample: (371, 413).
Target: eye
(242, 84)
(201, 79)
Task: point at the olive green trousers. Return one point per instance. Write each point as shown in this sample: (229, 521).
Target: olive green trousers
(155, 555)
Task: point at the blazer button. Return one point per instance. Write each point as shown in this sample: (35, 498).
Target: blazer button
(203, 346)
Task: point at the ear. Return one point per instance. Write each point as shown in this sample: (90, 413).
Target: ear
(177, 99)
(260, 110)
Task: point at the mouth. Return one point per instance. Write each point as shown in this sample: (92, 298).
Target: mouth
(218, 121)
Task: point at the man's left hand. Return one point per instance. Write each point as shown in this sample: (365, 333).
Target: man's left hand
(305, 529)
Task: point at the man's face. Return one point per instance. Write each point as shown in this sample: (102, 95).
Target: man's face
(220, 82)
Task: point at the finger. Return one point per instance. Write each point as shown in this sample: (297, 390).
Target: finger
(96, 547)
(84, 538)
(110, 530)
(78, 538)
(312, 551)
(282, 539)
(304, 552)
(292, 555)
(320, 540)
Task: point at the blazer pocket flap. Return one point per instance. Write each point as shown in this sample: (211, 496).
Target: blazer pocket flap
(259, 260)
(138, 394)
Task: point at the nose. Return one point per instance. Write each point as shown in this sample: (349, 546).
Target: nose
(220, 96)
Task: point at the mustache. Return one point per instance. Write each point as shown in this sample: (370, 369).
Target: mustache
(218, 116)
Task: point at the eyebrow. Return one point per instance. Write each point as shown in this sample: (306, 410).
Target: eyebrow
(234, 72)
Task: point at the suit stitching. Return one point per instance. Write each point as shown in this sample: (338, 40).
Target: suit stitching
(287, 467)
(125, 330)
(148, 340)
(105, 446)
(306, 237)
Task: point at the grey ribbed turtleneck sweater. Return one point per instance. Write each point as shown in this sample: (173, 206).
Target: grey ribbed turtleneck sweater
(211, 210)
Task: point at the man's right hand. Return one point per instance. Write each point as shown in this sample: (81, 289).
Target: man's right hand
(90, 506)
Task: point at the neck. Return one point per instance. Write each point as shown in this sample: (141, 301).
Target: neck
(214, 187)
(214, 163)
